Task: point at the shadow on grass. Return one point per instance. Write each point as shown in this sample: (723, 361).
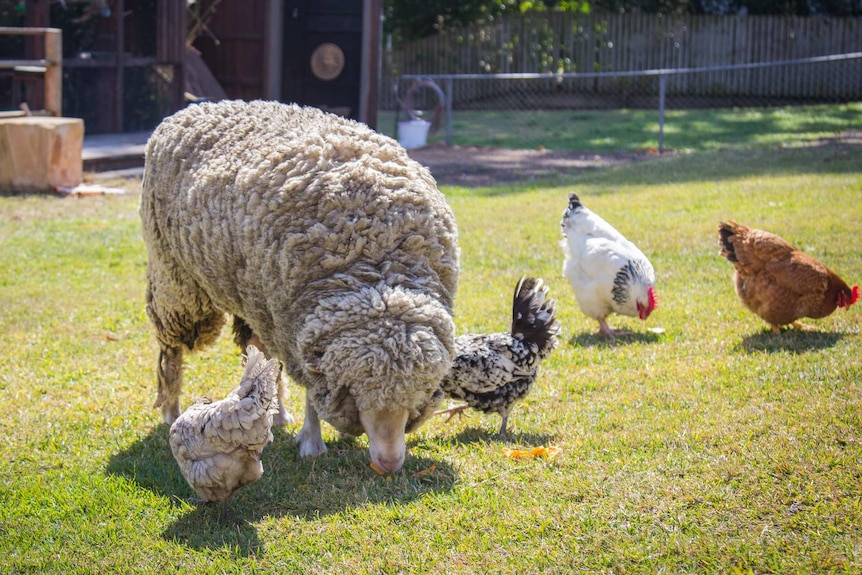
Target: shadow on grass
(487, 437)
(792, 340)
(305, 489)
(601, 340)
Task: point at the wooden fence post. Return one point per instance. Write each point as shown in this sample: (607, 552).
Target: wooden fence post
(54, 71)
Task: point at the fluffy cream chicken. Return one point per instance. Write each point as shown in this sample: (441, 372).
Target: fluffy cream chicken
(608, 273)
(218, 444)
(777, 281)
(493, 371)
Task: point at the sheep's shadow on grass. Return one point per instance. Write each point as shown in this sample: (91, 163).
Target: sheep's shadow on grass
(601, 340)
(791, 340)
(303, 489)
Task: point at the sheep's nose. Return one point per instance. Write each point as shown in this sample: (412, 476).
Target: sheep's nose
(389, 464)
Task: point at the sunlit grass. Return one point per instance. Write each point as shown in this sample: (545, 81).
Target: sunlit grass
(634, 130)
(713, 447)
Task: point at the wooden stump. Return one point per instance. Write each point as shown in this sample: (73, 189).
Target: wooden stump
(40, 153)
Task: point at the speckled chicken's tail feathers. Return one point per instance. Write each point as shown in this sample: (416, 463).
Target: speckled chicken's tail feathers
(534, 316)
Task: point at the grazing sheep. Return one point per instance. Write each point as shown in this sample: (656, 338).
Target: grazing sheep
(332, 249)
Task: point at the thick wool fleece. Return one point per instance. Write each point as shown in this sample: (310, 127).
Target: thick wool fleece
(332, 244)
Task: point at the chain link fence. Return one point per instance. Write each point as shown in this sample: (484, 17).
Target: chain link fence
(835, 78)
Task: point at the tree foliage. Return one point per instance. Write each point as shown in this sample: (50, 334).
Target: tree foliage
(414, 19)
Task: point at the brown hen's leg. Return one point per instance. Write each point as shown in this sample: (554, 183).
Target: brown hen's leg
(803, 326)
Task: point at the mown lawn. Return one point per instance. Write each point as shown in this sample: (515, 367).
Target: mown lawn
(711, 447)
(638, 130)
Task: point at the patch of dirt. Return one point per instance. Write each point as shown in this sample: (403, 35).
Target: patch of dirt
(478, 167)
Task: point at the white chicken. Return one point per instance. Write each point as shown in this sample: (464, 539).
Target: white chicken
(608, 273)
(492, 371)
(218, 444)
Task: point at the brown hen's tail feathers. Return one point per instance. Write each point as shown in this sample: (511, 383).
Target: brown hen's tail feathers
(534, 316)
(725, 231)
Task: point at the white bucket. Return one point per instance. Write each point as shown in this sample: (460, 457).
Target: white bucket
(413, 134)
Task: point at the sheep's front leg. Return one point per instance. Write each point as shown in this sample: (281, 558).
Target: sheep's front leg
(283, 417)
(170, 378)
(310, 439)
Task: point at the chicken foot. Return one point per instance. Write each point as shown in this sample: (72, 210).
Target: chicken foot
(607, 330)
(796, 325)
(453, 411)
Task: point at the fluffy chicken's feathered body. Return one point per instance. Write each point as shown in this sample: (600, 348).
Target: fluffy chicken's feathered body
(218, 444)
(608, 273)
(493, 371)
(777, 281)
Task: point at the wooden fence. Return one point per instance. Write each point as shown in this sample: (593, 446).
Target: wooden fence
(49, 69)
(571, 43)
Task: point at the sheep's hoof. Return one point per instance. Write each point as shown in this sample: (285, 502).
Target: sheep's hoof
(283, 417)
(170, 412)
(310, 446)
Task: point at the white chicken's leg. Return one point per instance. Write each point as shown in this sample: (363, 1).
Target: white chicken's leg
(310, 439)
(611, 332)
(606, 329)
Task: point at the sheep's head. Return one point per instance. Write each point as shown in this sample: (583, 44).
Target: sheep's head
(374, 359)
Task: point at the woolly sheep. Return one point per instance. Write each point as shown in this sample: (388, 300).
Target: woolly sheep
(331, 248)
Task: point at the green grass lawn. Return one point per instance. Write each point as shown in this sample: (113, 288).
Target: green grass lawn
(713, 447)
(637, 130)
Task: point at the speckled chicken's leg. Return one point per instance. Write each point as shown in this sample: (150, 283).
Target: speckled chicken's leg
(452, 411)
(503, 425)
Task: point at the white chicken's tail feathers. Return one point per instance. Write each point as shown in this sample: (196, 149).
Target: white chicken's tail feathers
(534, 316)
(580, 220)
(260, 379)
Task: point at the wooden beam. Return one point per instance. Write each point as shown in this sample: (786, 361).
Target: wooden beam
(54, 72)
(119, 74)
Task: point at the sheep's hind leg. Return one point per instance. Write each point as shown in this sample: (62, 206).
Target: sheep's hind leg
(243, 336)
(170, 377)
(310, 439)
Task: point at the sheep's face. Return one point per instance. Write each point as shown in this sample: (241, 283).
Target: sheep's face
(374, 362)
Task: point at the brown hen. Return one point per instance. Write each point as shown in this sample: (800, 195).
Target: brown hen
(777, 281)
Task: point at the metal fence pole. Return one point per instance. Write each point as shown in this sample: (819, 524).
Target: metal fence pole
(448, 111)
(662, 86)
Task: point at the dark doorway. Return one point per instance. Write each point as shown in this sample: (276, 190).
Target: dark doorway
(323, 54)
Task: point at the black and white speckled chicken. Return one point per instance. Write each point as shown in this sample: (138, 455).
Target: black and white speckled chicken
(218, 444)
(493, 371)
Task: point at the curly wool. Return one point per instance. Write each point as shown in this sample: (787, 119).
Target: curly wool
(332, 244)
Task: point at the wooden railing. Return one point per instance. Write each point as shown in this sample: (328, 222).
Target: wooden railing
(51, 66)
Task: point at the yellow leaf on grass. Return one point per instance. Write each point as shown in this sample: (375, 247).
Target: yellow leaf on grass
(549, 452)
(425, 471)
